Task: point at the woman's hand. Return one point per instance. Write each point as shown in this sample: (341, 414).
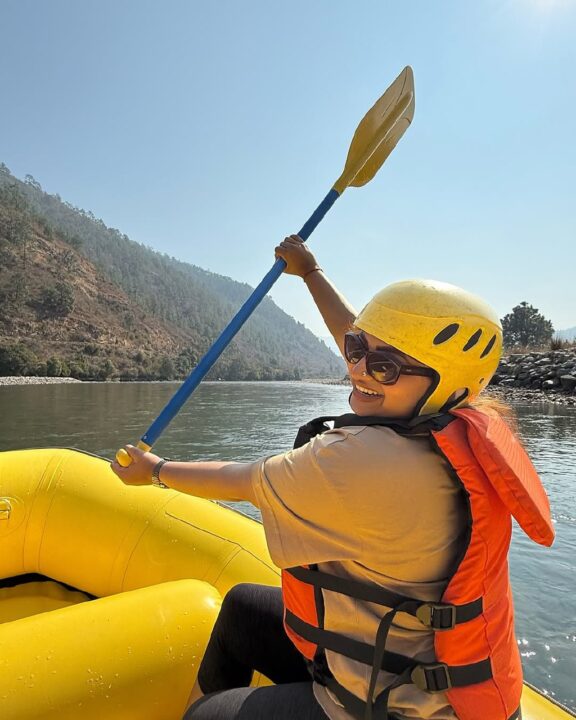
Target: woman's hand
(336, 311)
(139, 472)
(299, 260)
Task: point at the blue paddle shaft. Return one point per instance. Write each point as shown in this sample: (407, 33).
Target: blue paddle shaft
(205, 365)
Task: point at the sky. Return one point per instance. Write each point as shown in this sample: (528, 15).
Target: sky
(209, 130)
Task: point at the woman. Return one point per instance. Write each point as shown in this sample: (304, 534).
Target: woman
(392, 529)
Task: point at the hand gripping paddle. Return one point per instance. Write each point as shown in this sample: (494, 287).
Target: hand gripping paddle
(374, 139)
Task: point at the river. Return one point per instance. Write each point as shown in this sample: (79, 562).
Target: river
(243, 421)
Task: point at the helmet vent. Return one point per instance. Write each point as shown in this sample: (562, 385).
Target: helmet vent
(473, 340)
(489, 346)
(446, 334)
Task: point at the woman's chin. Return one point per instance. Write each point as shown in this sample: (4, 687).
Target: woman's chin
(363, 404)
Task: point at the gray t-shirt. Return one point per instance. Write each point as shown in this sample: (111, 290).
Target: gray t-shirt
(368, 504)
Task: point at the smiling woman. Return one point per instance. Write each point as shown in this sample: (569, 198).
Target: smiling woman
(385, 381)
(392, 529)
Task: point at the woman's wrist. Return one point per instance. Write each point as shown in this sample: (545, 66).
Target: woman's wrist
(316, 268)
(156, 473)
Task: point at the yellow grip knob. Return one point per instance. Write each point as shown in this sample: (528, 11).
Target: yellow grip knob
(123, 458)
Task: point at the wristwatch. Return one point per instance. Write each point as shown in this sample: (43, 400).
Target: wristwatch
(156, 474)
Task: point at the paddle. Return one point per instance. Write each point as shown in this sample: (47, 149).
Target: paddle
(374, 139)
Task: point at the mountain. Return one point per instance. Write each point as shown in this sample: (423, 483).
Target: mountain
(568, 334)
(80, 298)
(329, 341)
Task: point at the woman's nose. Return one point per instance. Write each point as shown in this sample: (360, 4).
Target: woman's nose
(359, 369)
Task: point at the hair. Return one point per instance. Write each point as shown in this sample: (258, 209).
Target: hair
(486, 401)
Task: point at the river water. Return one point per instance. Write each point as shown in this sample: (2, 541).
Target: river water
(244, 421)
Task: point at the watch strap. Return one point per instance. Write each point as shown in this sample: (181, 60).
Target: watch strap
(156, 473)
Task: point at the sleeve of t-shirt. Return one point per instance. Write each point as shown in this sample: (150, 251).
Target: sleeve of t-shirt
(302, 495)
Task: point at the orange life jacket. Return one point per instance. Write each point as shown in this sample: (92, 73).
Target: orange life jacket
(477, 659)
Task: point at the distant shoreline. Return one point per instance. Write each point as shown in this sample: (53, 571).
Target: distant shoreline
(506, 394)
(33, 380)
(38, 380)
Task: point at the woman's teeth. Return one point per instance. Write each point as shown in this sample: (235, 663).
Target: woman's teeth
(365, 391)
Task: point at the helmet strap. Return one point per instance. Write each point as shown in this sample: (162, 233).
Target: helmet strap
(454, 401)
(432, 389)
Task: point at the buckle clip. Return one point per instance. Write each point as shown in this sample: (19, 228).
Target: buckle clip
(437, 616)
(431, 678)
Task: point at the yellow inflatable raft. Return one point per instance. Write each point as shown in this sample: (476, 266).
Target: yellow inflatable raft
(108, 594)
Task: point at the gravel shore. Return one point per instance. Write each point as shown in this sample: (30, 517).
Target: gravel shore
(524, 395)
(18, 380)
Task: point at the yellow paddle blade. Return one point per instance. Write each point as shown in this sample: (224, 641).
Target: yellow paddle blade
(378, 132)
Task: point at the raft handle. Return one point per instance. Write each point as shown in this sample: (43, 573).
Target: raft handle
(5, 508)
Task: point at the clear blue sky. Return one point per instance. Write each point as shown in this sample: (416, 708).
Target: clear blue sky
(210, 129)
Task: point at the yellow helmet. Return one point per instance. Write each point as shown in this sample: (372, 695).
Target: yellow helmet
(447, 328)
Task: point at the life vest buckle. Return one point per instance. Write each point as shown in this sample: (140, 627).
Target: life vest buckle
(431, 678)
(437, 616)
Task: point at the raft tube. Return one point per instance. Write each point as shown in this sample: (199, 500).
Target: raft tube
(108, 593)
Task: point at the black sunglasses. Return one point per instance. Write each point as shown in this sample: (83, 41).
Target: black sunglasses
(382, 365)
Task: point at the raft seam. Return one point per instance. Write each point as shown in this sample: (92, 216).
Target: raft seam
(232, 542)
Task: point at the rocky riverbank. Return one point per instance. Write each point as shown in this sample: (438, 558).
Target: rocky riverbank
(19, 380)
(537, 376)
(548, 377)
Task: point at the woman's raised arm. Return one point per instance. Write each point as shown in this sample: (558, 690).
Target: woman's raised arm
(336, 311)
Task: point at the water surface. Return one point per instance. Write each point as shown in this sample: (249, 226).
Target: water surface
(244, 421)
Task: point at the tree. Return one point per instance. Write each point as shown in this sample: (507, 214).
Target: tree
(166, 369)
(526, 327)
(57, 301)
(54, 367)
(15, 291)
(30, 180)
(16, 359)
(106, 370)
(14, 215)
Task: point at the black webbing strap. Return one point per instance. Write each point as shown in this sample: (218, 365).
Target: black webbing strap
(439, 677)
(361, 710)
(357, 707)
(432, 677)
(436, 677)
(311, 429)
(350, 702)
(438, 616)
(416, 426)
(379, 653)
(353, 649)
(346, 586)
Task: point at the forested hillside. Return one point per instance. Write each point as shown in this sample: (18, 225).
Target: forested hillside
(79, 298)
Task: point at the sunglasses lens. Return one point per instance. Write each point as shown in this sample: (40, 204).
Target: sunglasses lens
(354, 348)
(384, 371)
(380, 365)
